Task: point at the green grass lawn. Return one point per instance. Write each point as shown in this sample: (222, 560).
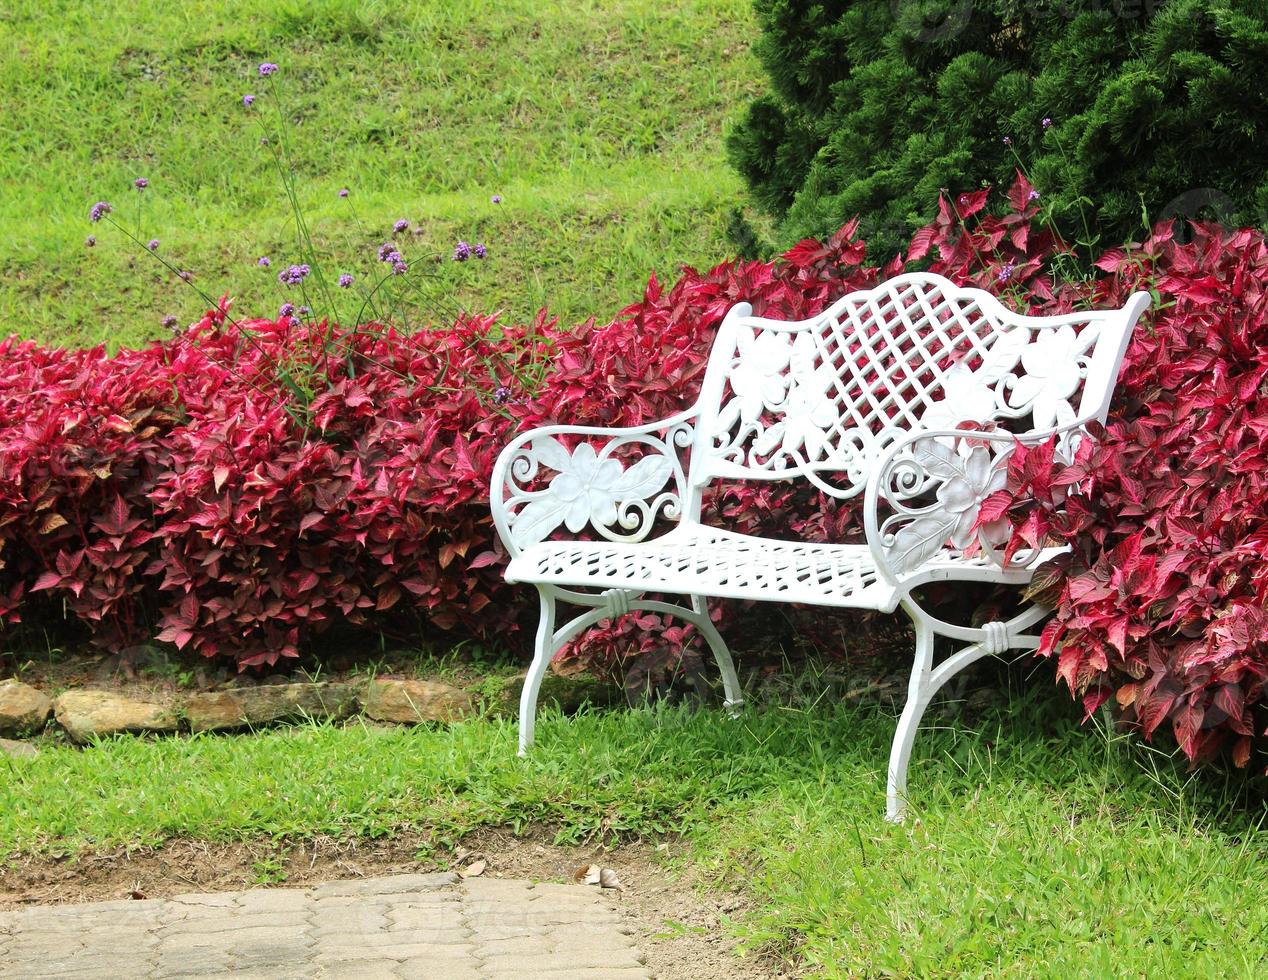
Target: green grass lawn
(599, 124)
(1037, 847)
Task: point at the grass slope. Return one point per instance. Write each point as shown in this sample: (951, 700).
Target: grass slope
(598, 123)
(1038, 847)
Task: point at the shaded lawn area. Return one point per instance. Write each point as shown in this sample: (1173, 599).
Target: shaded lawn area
(599, 124)
(1038, 846)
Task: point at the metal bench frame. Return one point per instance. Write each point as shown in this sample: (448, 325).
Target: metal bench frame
(871, 396)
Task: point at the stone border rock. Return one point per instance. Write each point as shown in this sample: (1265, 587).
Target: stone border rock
(88, 713)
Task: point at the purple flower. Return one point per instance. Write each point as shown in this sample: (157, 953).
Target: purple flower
(1008, 141)
(399, 268)
(1047, 121)
(386, 251)
(501, 395)
(170, 322)
(480, 251)
(496, 199)
(264, 262)
(345, 281)
(286, 310)
(304, 311)
(1032, 196)
(1006, 273)
(293, 275)
(461, 252)
(100, 210)
(400, 226)
(152, 244)
(90, 241)
(343, 192)
(267, 69)
(186, 275)
(247, 100)
(140, 183)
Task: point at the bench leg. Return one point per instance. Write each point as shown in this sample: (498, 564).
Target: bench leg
(542, 654)
(991, 640)
(733, 695)
(919, 692)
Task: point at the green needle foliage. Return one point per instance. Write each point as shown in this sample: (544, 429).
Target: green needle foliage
(1157, 108)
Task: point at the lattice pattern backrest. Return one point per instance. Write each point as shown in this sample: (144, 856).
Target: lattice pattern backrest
(823, 398)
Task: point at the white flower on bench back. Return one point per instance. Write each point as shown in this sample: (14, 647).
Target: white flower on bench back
(807, 412)
(587, 489)
(968, 395)
(1052, 375)
(759, 381)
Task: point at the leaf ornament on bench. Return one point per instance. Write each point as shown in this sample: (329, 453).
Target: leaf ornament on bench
(589, 488)
(963, 483)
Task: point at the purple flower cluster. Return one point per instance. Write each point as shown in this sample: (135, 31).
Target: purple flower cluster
(343, 192)
(140, 183)
(1008, 141)
(1047, 122)
(186, 275)
(388, 252)
(294, 275)
(100, 210)
(462, 251)
(399, 268)
(287, 309)
(152, 244)
(501, 395)
(345, 281)
(1006, 273)
(170, 321)
(264, 262)
(247, 100)
(1032, 196)
(267, 69)
(400, 226)
(90, 241)
(496, 199)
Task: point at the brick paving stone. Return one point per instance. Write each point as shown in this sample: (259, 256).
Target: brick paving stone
(614, 959)
(399, 927)
(361, 969)
(392, 885)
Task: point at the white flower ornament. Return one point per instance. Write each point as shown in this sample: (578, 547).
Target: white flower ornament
(588, 489)
(758, 380)
(1052, 375)
(965, 482)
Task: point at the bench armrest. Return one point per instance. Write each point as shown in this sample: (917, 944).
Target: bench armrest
(603, 486)
(925, 493)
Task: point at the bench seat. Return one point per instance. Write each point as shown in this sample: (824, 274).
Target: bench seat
(701, 560)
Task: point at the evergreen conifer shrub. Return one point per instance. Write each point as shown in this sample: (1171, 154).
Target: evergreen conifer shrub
(1121, 112)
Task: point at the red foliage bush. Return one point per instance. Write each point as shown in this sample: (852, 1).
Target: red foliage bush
(174, 493)
(179, 492)
(1161, 602)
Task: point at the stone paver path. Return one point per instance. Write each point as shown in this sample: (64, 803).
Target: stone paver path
(434, 926)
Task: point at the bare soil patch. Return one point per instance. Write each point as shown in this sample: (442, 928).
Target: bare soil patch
(680, 926)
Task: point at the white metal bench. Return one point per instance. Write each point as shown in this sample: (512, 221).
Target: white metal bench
(871, 396)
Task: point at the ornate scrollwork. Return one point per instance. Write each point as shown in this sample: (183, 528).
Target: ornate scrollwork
(596, 488)
(935, 492)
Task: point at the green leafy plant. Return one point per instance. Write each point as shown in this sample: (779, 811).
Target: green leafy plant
(1119, 108)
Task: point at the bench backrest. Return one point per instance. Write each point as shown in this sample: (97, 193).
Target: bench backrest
(824, 397)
